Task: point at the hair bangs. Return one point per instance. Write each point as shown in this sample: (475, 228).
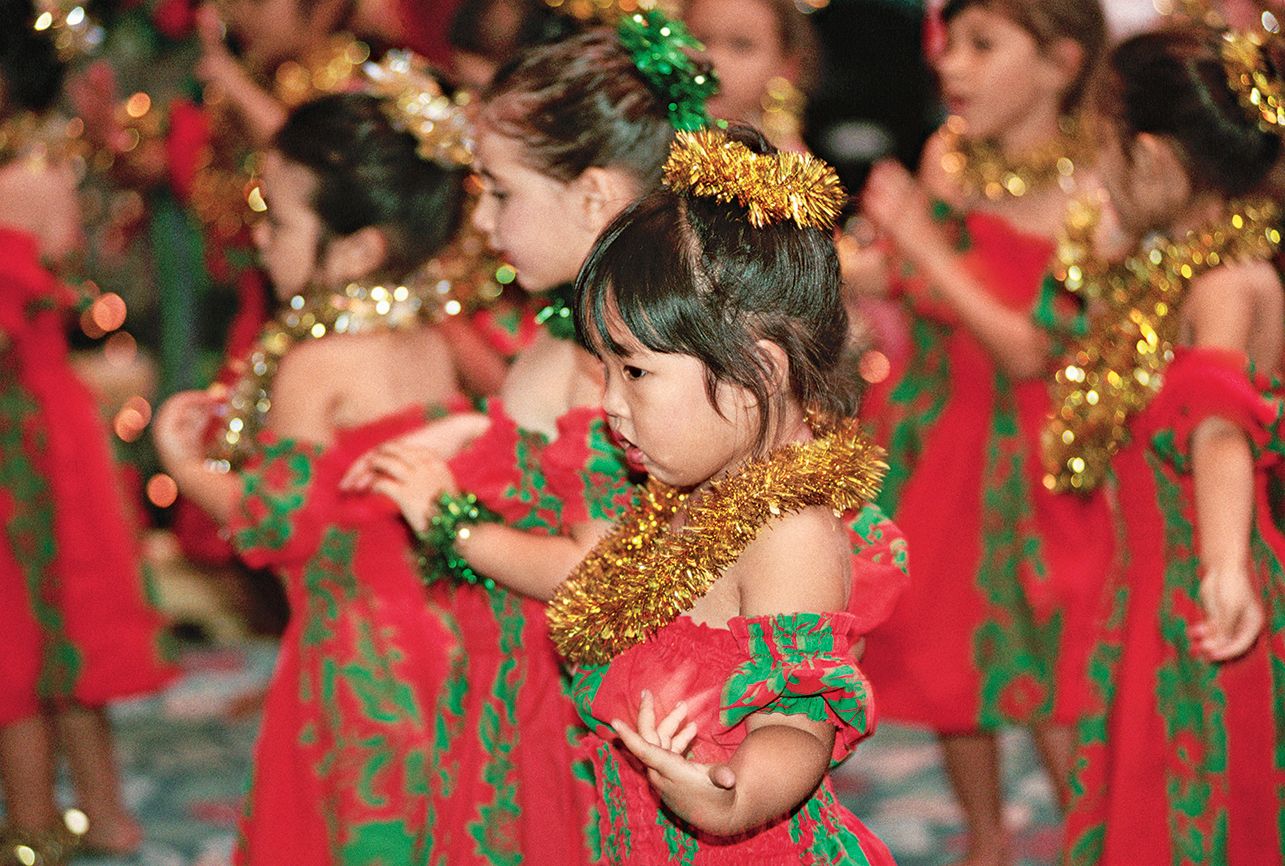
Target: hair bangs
(639, 284)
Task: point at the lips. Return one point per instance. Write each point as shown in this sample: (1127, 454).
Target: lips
(633, 454)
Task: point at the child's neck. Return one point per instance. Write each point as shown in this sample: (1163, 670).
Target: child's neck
(792, 427)
(1198, 211)
(1034, 131)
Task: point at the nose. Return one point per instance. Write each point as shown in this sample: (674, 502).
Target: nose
(613, 401)
(949, 63)
(484, 215)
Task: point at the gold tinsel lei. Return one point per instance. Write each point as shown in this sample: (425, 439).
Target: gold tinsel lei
(983, 171)
(358, 308)
(1115, 370)
(645, 574)
(773, 188)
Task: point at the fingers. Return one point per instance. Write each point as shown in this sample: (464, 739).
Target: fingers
(360, 476)
(670, 725)
(647, 719)
(683, 740)
(1234, 638)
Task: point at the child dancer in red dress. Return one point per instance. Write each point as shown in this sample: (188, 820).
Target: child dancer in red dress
(715, 632)
(995, 628)
(361, 190)
(1182, 757)
(568, 136)
(80, 629)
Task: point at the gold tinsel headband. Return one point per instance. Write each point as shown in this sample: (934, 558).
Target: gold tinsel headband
(414, 101)
(1252, 79)
(773, 188)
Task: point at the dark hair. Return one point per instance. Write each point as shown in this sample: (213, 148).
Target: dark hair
(1048, 21)
(1173, 83)
(581, 103)
(31, 74)
(369, 174)
(689, 275)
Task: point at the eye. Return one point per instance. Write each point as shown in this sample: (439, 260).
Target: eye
(634, 373)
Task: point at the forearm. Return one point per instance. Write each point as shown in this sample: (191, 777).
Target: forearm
(1018, 345)
(215, 493)
(262, 113)
(530, 564)
(1223, 477)
(777, 767)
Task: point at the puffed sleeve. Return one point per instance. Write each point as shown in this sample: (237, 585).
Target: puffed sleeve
(801, 664)
(1206, 383)
(276, 519)
(586, 469)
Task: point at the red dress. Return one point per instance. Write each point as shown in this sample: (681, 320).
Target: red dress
(794, 664)
(1182, 760)
(350, 722)
(79, 620)
(996, 627)
(507, 785)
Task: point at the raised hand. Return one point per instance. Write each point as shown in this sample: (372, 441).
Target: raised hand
(445, 438)
(412, 477)
(702, 794)
(180, 427)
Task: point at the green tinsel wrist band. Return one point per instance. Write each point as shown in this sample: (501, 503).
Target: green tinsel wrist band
(439, 560)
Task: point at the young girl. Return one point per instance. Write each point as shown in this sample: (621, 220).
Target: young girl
(763, 51)
(1018, 569)
(569, 134)
(715, 633)
(360, 190)
(80, 630)
(1180, 758)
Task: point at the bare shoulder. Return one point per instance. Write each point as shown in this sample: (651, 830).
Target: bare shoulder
(1231, 306)
(801, 562)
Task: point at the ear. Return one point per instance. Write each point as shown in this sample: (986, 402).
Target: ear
(355, 256)
(1155, 161)
(1064, 59)
(600, 193)
(776, 362)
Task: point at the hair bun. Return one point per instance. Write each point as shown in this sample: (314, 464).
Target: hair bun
(772, 187)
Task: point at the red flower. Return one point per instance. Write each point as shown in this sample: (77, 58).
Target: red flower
(174, 18)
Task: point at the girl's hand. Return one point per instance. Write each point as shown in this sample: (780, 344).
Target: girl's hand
(412, 477)
(701, 794)
(445, 438)
(898, 207)
(180, 427)
(216, 65)
(1233, 615)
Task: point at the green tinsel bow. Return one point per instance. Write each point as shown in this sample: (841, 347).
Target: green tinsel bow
(656, 45)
